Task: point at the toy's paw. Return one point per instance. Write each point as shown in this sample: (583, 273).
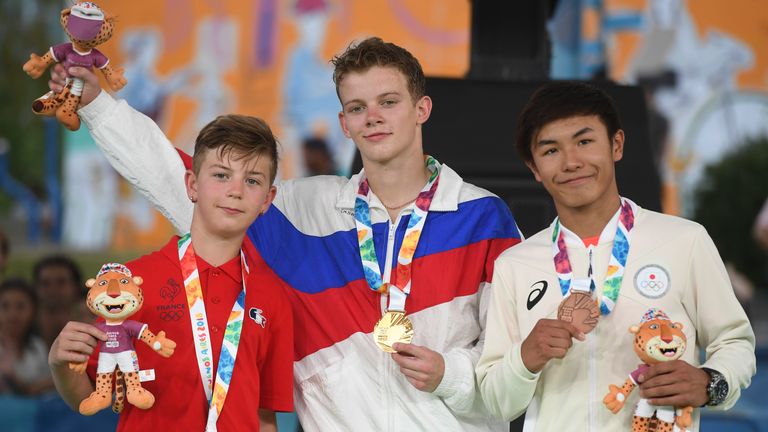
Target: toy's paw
(140, 398)
(66, 114)
(163, 345)
(614, 400)
(35, 66)
(78, 367)
(116, 81)
(95, 403)
(684, 419)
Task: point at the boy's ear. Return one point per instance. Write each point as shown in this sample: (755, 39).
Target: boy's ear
(617, 148)
(532, 166)
(190, 181)
(343, 123)
(423, 109)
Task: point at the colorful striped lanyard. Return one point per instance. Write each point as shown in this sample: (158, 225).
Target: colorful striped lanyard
(615, 275)
(215, 392)
(410, 240)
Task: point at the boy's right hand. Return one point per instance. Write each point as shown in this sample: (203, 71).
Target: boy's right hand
(91, 89)
(74, 344)
(550, 338)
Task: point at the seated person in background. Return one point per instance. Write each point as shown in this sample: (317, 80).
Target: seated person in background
(23, 366)
(59, 287)
(211, 284)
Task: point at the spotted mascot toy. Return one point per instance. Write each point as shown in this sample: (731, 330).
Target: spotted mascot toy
(115, 295)
(87, 27)
(657, 339)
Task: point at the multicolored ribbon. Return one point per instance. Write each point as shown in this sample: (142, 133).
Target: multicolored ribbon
(215, 392)
(618, 260)
(410, 240)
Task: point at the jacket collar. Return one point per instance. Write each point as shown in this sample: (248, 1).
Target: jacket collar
(446, 197)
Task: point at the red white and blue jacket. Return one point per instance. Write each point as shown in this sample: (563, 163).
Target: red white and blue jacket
(343, 381)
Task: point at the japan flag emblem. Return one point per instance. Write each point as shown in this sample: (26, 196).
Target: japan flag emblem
(257, 317)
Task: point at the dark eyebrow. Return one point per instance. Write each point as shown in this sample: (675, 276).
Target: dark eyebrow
(582, 131)
(576, 135)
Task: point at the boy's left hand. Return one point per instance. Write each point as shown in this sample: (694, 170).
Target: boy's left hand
(422, 367)
(674, 383)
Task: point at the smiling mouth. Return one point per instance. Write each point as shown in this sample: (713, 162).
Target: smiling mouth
(669, 352)
(114, 308)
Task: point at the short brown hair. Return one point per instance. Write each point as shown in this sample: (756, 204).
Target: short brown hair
(375, 52)
(240, 136)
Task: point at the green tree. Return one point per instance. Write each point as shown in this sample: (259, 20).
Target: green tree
(727, 202)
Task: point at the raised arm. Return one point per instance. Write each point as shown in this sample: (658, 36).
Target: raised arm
(136, 147)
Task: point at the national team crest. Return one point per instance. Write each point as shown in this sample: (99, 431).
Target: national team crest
(257, 317)
(652, 281)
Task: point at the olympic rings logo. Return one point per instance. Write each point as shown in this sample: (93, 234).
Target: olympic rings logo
(652, 284)
(173, 315)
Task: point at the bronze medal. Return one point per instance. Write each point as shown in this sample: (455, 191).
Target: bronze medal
(392, 327)
(579, 309)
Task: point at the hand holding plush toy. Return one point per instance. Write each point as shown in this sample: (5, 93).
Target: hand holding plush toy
(657, 339)
(115, 295)
(87, 27)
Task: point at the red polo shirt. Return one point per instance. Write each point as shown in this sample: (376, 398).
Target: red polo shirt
(263, 373)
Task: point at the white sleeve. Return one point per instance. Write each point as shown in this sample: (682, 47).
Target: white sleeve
(137, 148)
(722, 326)
(507, 387)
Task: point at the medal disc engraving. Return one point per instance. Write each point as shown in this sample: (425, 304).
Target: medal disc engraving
(579, 309)
(392, 327)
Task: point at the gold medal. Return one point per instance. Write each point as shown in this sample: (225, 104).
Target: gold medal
(579, 309)
(393, 327)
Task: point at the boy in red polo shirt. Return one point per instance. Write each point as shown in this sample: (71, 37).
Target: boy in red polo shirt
(234, 165)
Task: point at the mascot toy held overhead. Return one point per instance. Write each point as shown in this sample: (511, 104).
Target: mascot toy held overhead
(115, 295)
(657, 339)
(87, 27)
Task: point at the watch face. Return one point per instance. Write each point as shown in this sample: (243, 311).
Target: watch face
(721, 391)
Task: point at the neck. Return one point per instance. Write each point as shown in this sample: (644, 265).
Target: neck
(398, 182)
(589, 221)
(214, 249)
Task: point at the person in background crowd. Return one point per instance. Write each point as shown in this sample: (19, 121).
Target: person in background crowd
(58, 284)
(23, 354)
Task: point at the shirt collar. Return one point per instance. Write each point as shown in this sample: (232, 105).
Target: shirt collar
(231, 268)
(446, 197)
(606, 236)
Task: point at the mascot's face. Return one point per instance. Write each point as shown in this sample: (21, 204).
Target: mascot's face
(86, 25)
(114, 296)
(659, 340)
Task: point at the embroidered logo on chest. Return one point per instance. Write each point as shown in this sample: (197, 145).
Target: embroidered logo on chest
(257, 317)
(652, 281)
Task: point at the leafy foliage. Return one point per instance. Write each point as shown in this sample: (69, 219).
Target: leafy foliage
(27, 27)
(727, 202)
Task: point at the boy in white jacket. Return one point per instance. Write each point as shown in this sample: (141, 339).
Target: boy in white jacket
(624, 258)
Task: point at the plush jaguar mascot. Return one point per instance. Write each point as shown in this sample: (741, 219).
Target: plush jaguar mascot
(115, 295)
(657, 339)
(87, 27)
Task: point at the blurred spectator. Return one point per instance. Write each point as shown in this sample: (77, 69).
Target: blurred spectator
(760, 229)
(23, 355)
(59, 287)
(317, 158)
(5, 250)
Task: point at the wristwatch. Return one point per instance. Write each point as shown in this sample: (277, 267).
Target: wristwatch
(717, 389)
